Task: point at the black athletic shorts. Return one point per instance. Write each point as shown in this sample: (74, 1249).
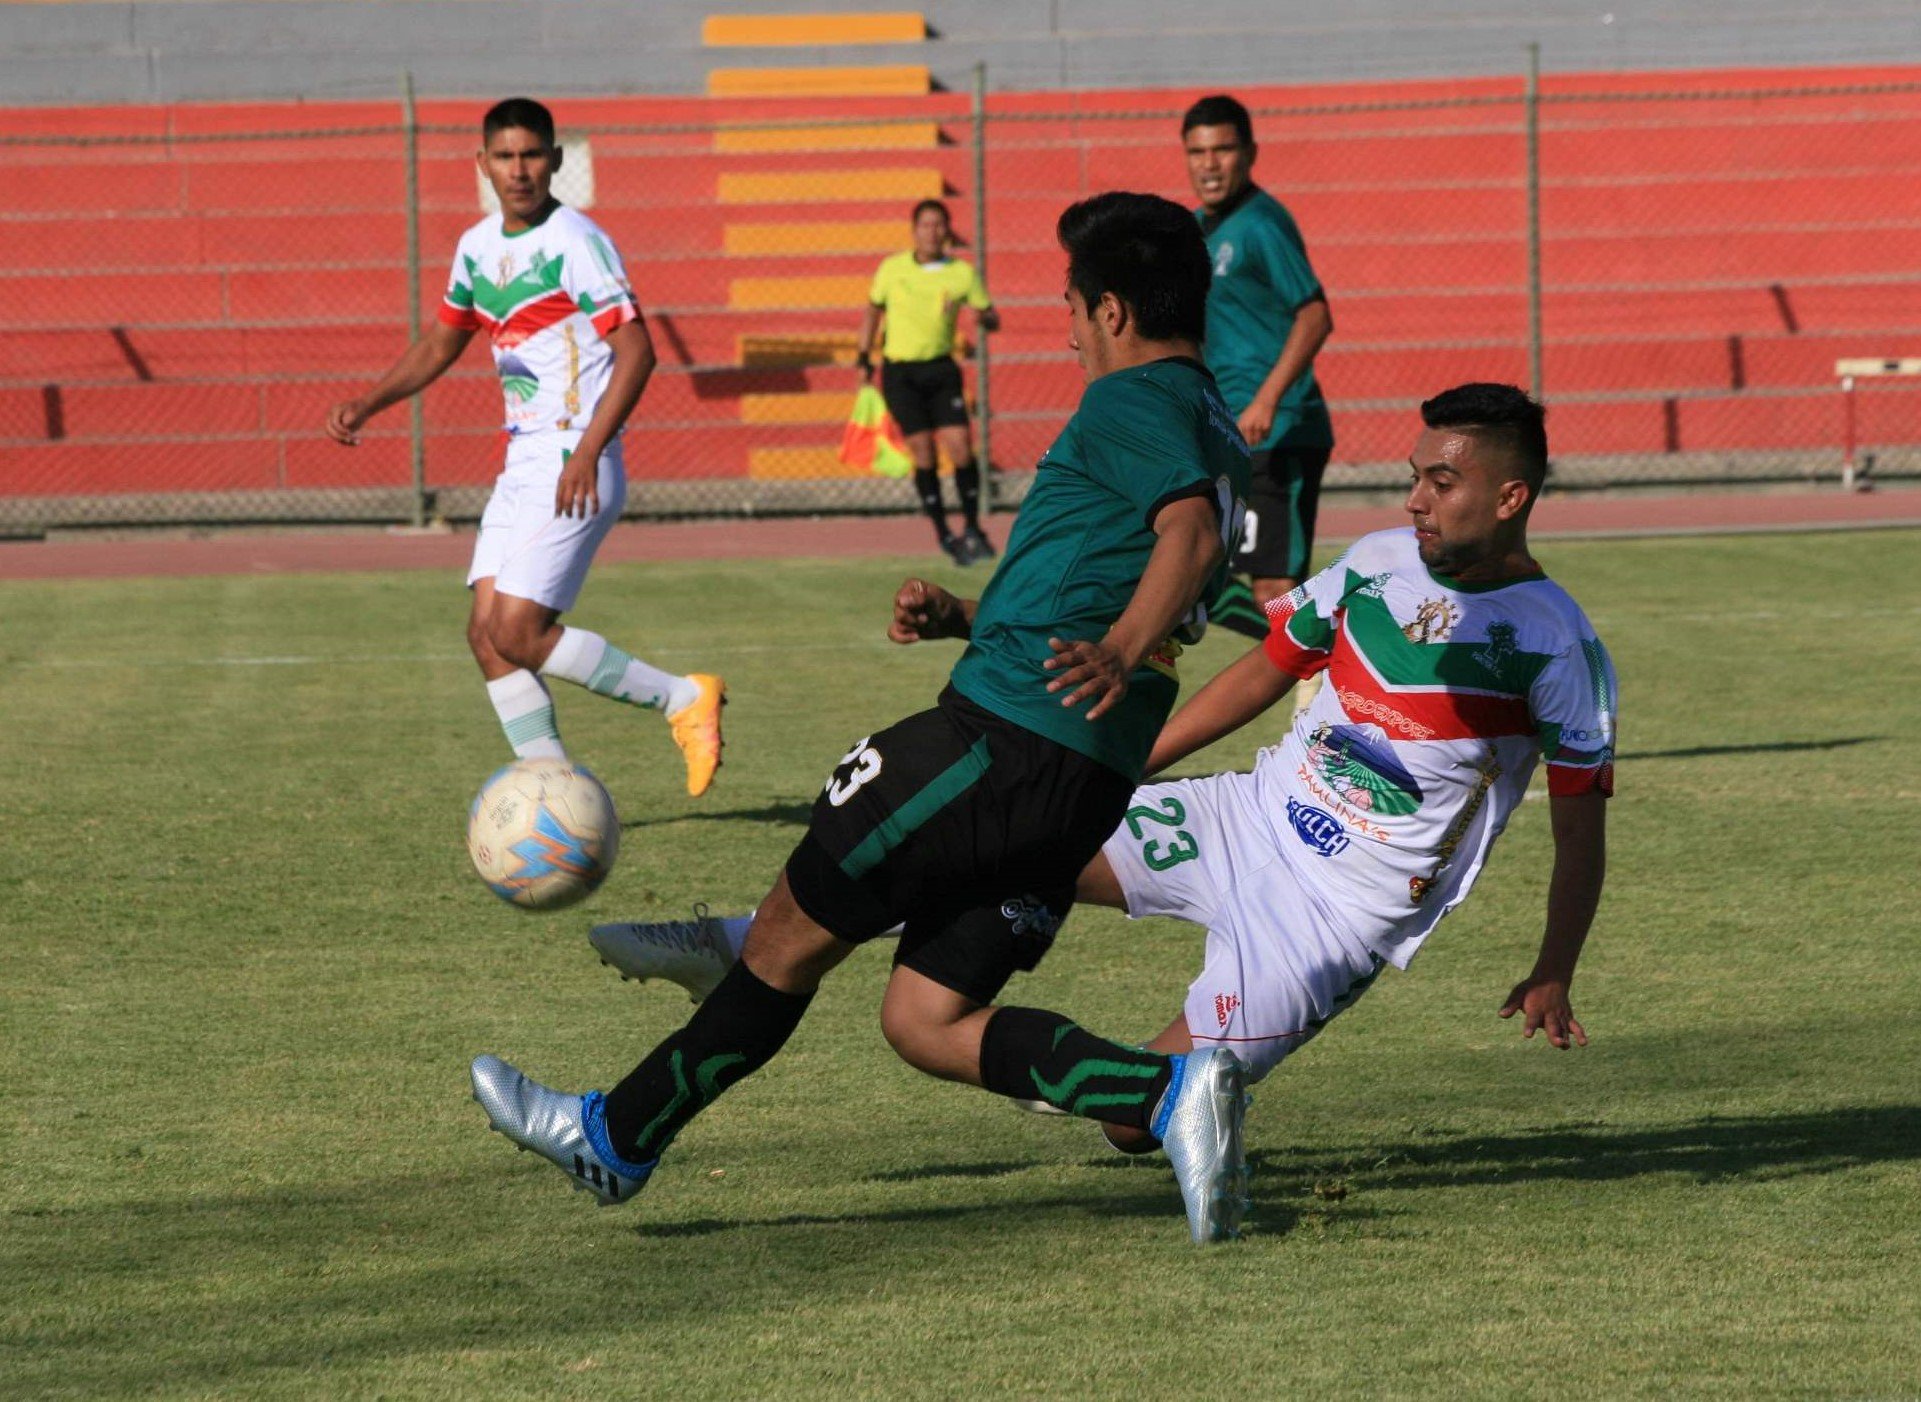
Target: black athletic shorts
(1282, 501)
(965, 827)
(924, 394)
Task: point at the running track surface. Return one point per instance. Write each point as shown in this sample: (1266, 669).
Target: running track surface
(844, 537)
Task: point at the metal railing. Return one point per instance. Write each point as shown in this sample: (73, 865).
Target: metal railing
(1677, 270)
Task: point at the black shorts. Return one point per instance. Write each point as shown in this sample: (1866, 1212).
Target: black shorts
(968, 829)
(924, 394)
(1282, 501)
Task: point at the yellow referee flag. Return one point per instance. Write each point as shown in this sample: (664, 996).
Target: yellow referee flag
(872, 439)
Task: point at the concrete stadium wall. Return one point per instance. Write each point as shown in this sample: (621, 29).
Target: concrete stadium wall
(110, 51)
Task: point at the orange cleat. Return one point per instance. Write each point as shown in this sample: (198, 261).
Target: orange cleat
(697, 732)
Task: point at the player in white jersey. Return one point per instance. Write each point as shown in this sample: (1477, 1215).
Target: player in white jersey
(1452, 664)
(573, 355)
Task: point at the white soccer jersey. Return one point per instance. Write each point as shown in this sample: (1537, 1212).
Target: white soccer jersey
(547, 297)
(1439, 698)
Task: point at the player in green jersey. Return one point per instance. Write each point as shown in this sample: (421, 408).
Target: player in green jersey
(966, 825)
(1267, 318)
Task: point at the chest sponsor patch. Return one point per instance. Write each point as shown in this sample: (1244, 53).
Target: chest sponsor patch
(1361, 767)
(1318, 828)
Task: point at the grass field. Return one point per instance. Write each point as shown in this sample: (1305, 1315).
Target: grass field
(245, 966)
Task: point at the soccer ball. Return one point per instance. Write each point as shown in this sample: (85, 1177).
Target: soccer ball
(542, 833)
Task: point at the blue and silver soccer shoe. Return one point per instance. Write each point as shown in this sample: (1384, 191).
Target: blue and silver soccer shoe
(566, 1130)
(1199, 1124)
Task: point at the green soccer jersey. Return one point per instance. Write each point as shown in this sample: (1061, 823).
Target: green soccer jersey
(1142, 437)
(1261, 281)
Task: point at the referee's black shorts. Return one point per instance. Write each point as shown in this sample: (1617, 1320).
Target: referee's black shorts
(924, 394)
(965, 827)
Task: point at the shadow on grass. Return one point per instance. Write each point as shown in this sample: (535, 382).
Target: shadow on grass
(797, 813)
(1777, 747)
(1710, 1149)
(950, 1170)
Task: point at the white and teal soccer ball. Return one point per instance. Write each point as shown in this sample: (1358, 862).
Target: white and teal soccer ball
(543, 833)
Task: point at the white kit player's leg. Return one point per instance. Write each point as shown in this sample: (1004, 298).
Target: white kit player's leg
(1276, 967)
(544, 558)
(526, 712)
(589, 660)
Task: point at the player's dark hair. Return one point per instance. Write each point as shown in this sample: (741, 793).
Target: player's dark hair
(522, 112)
(926, 205)
(1502, 413)
(1148, 252)
(1220, 110)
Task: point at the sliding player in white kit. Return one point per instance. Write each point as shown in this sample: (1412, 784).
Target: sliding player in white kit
(573, 355)
(1453, 664)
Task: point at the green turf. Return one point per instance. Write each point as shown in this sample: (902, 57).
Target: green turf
(245, 965)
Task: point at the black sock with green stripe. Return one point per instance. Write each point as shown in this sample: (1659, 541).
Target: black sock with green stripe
(1233, 608)
(1030, 1054)
(735, 1031)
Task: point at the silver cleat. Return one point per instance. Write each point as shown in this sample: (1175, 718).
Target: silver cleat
(1201, 1132)
(692, 953)
(561, 1128)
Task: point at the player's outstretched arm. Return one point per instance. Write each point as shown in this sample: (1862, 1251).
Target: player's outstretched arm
(425, 361)
(1313, 324)
(1574, 892)
(578, 491)
(1186, 550)
(923, 611)
(1240, 692)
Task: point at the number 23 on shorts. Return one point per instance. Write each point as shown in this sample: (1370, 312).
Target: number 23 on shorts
(856, 768)
(1181, 847)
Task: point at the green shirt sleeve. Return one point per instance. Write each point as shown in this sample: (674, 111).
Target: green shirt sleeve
(1283, 255)
(1140, 439)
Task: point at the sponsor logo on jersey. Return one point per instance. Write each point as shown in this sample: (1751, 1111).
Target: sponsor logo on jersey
(1499, 648)
(1418, 887)
(1356, 704)
(1224, 1005)
(1433, 621)
(517, 378)
(1223, 260)
(1318, 829)
(1375, 585)
(1359, 764)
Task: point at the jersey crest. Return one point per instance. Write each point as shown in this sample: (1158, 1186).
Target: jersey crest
(1433, 622)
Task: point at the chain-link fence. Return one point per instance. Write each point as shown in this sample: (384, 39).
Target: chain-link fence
(1678, 272)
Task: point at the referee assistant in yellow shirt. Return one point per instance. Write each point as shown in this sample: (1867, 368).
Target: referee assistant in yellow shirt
(919, 294)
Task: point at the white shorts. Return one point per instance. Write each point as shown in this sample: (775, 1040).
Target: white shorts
(1277, 967)
(523, 547)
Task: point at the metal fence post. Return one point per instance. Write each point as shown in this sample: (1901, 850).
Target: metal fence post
(416, 411)
(1532, 102)
(985, 455)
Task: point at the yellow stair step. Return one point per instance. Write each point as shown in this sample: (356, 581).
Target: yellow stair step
(819, 407)
(860, 136)
(750, 294)
(761, 352)
(771, 31)
(764, 464)
(828, 186)
(863, 80)
(796, 240)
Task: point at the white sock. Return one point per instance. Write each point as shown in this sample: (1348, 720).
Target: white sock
(589, 660)
(526, 713)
